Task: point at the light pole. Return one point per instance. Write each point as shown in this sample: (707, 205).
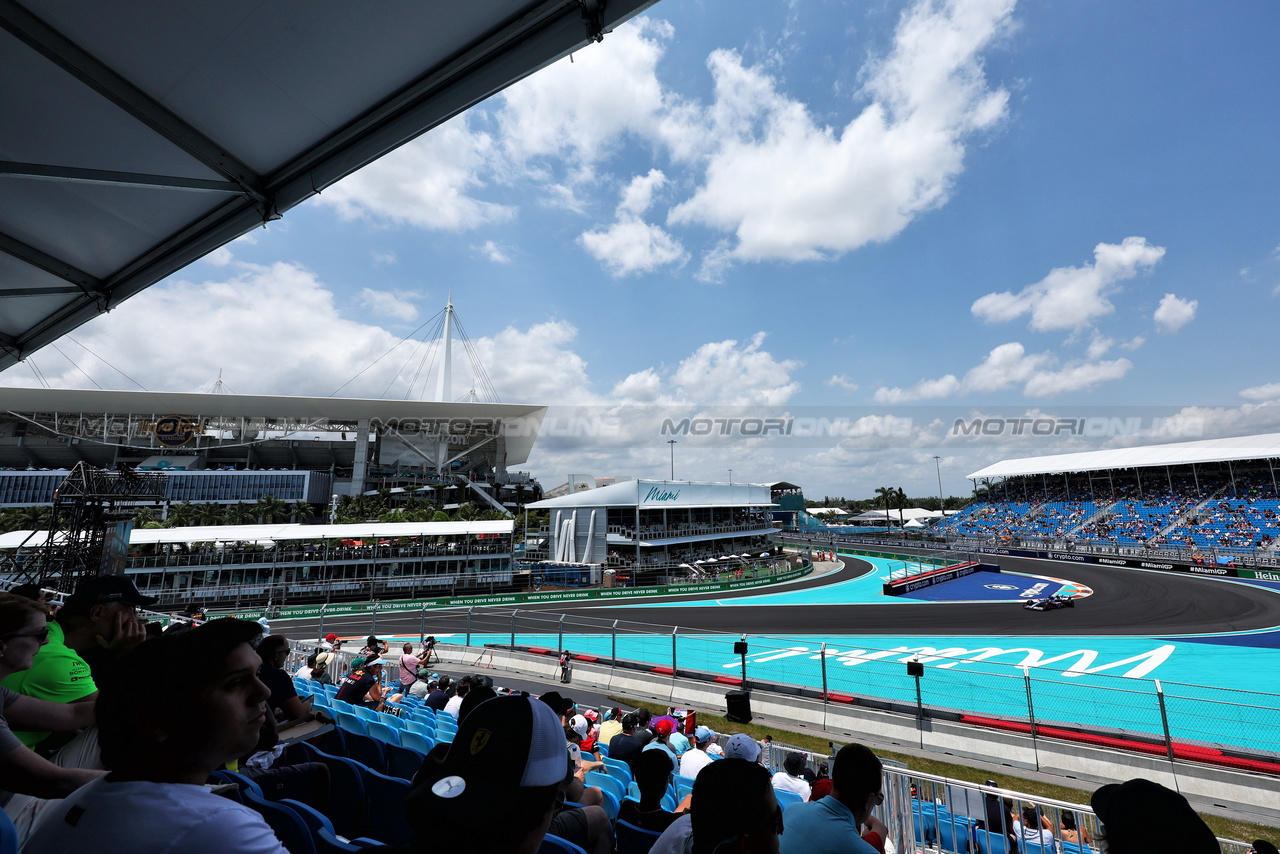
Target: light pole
(731, 477)
(942, 502)
(672, 443)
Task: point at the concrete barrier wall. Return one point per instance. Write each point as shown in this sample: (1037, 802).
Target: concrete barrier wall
(1258, 794)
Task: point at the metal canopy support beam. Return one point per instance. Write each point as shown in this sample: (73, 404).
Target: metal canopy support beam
(51, 290)
(538, 38)
(40, 171)
(90, 285)
(69, 56)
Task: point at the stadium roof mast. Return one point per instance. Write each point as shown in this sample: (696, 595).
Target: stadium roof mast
(444, 384)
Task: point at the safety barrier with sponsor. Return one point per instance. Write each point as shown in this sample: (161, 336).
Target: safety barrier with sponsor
(401, 606)
(911, 583)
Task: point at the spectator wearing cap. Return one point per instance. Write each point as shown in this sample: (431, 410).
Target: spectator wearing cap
(834, 823)
(329, 643)
(22, 631)
(98, 623)
(737, 811)
(696, 759)
(374, 646)
(576, 736)
(791, 777)
(1139, 816)
(423, 687)
(495, 791)
(653, 772)
(625, 747)
(161, 746)
(742, 746)
(678, 742)
(363, 685)
(284, 701)
(663, 727)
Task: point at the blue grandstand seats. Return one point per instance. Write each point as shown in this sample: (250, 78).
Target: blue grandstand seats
(387, 819)
(555, 845)
(606, 783)
(954, 831)
(785, 798)
(289, 828)
(998, 843)
(417, 741)
(8, 835)
(619, 770)
(420, 728)
(612, 803)
(346, 787)
(366, 750)
(365, 712)
(328, 843)
(633, 840)
(383, 732)
(350, 722)
(403, 762)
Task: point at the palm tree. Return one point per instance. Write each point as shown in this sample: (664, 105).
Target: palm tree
(241, 514)
(210, 514)
(901, 498)
(144, 517)
(885, 492)
(519, 496)
(182, 514)
(466, 512)
(34, 518)
(300, 511)
(271, 509)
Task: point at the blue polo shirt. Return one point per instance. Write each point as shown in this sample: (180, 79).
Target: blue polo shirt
(821, 827)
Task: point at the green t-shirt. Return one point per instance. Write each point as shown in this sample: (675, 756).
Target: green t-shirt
(57, 674)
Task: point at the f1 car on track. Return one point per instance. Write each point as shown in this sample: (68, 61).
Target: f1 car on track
(1050, 603)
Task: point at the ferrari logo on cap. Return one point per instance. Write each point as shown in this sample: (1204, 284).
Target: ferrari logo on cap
(479, 740)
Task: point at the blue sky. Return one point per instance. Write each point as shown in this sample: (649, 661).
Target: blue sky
(878, 211)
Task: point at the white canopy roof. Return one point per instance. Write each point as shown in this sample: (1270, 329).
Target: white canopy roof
(139, 136)
(827, 511)
(1264, 446)
(654, 494)
(907, 513)
(278, 533)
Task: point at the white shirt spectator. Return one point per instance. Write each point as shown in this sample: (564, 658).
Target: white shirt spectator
(139, 817)
(1032, 834)
(453, 706)
(784, 781)
(692, 762)
(419, 689)
(303, 672)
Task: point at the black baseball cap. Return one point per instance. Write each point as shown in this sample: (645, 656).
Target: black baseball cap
(1142, 815)
(504, 744)
(106, 590)
(561, 705)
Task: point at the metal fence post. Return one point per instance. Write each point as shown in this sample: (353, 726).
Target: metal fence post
(374, 629)
(322, 607)
(674, 629)
(470, 611)
(1031, 715)
(823, 662)
(422, 630)
(513, 627)
(1168, 740)
(560, 635)
(613, 649)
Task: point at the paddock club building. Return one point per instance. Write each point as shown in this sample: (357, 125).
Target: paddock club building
(655, 528)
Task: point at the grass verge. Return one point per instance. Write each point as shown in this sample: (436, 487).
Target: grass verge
(1223, 827)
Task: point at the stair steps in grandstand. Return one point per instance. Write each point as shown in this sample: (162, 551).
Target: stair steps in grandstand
(287, 825)
(1101, 512)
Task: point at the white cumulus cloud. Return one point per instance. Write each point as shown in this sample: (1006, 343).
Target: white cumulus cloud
(1073, 297)
(631, 245)
(790, 188)
(1175, 313)
(1007, 366)
(1270, 391)
(424, 183)
(842, 381)
(387, 304)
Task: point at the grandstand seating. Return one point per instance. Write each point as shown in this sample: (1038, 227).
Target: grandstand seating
(288, 826)
(633, 840)
(8, 835)
(555, 845)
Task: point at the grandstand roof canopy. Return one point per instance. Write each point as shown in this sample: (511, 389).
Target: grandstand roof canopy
(1265, 446)
(657, 494)
(139, 136)
(278, 533)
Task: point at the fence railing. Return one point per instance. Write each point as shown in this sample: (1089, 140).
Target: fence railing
(1016, 688)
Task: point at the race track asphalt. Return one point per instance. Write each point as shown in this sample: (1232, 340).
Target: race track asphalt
(1125, 602)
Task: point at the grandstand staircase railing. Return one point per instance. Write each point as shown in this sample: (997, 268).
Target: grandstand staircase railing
(1096, 515)
(1192, 511)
